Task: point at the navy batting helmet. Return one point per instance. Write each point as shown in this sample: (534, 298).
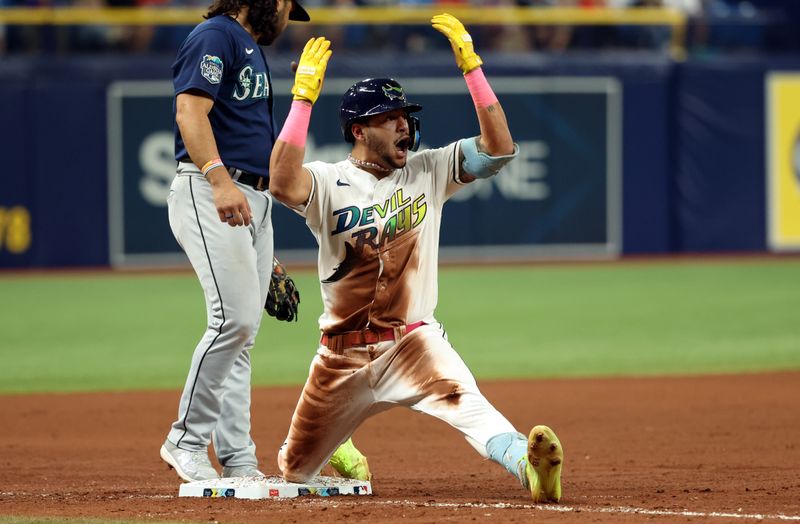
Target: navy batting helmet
(374, 96)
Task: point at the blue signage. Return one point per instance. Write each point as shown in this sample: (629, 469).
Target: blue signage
(560, 197)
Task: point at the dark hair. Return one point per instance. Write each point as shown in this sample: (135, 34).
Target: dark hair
(262, 16)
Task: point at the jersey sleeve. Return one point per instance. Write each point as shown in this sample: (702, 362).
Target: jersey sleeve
(313, 210)
(444, 167)
(202, 61)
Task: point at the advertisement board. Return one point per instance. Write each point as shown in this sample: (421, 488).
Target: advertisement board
(783, 161)
(18, 241)
(561, 196)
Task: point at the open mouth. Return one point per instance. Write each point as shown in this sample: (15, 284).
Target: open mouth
(402, 144)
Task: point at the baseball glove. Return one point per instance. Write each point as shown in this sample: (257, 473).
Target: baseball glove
(283, 298)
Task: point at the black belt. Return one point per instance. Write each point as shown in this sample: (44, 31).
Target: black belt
(257, 182)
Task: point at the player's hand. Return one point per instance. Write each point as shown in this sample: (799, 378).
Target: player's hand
(232, 206)
(460, 41)
(311, 69)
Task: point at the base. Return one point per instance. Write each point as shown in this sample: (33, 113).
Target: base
(273, 487)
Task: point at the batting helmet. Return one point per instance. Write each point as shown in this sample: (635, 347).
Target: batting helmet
(374, 96)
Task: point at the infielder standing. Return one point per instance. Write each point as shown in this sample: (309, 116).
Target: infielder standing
(219, 212)
(376, 217)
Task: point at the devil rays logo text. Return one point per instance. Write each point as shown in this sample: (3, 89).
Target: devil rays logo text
(394, 93)
(251, 85)
(403, 216)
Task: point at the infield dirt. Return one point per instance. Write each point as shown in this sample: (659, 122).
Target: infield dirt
(673, 449)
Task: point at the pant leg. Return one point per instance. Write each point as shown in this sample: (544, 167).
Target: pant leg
(425, 373)
(336, 399)
(226, 265)
(231, 437)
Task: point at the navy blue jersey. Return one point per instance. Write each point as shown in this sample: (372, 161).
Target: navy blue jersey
(219, 57)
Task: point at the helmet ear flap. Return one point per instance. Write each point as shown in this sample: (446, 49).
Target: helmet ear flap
(413, 132)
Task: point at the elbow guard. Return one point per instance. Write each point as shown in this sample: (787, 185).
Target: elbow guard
(481, 165)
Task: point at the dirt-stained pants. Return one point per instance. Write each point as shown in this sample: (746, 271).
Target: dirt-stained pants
(343, 389)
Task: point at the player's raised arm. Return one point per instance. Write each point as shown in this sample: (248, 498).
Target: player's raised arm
(485, 155)
(289, 181)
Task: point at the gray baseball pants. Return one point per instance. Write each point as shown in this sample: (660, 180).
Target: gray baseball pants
(234, 265)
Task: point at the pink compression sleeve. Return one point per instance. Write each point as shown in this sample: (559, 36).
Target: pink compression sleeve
(479, 88)
(295, 128)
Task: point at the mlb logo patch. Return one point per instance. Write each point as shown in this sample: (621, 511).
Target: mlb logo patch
(211, 69)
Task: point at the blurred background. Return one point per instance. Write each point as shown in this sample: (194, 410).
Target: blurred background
(646, 127)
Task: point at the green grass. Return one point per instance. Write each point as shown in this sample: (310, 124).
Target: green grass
(117, 332)
(630, 319)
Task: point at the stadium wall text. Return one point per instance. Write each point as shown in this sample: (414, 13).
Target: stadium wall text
(634, 156)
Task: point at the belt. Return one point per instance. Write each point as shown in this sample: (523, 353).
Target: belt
(350, 339)
(257, 182)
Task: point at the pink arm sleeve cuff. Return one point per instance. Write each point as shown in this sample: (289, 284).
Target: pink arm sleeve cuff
(295, 129)
(479, 88)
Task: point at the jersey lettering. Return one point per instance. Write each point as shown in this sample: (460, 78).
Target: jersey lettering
(419, 209)
(407, 215)
(366, 216)
(262, 86)
(250, 85)
(366, 237)
(381, 210)
(349, 216)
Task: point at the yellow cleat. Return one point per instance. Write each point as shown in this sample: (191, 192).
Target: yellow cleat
(543, 468)
(349, 462)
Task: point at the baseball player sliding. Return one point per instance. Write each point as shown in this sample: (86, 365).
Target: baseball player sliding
(376, 217)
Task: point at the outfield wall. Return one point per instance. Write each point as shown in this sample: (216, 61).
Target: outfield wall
(633, 155)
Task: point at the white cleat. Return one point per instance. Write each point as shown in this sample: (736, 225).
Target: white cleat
(189, 465)
(241, 471)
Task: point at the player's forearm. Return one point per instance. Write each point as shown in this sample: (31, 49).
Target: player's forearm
(288, 181)
(198, 137)
(191, 115)
(495, 139)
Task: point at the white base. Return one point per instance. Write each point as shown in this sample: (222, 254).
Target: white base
(273, 487)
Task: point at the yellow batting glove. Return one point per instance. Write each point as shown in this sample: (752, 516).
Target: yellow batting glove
(311, 69)
(460, 41)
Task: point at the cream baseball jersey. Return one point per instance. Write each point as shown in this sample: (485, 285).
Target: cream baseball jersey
(379, 239)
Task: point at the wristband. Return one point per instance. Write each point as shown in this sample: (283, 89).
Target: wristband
(211, 164)
(295, 129)
(479, 88)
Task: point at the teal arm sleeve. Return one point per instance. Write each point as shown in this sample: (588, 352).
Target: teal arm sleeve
(481, 165)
